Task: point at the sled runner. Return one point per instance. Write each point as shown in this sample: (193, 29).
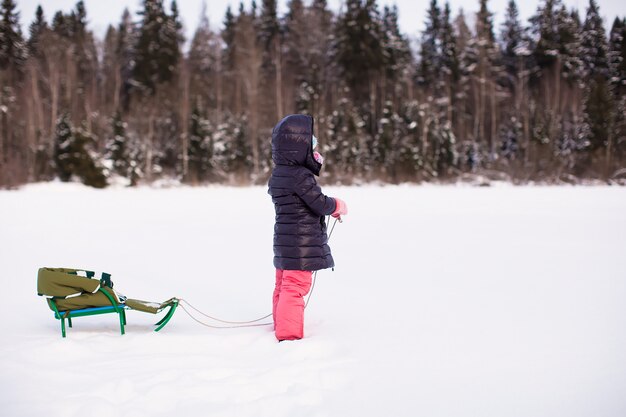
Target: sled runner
(78, 293)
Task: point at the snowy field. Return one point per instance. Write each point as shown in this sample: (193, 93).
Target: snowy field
(446, 301)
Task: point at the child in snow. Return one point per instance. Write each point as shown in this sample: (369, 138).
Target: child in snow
(300, 240)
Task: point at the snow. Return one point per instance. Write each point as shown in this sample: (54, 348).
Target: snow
(446, 301)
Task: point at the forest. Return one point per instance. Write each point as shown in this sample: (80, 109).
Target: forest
(541, 101)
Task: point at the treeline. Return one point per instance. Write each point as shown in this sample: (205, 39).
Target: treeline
(541, 101)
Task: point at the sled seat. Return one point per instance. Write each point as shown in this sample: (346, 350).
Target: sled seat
(117, 308)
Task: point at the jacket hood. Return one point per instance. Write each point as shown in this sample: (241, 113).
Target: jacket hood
(292, 142)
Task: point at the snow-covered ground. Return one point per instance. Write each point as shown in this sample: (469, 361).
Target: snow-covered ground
(446, 301)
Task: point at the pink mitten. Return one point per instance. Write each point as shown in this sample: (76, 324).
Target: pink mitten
(341, 208)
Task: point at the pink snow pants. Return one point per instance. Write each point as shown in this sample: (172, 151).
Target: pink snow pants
(291, 287)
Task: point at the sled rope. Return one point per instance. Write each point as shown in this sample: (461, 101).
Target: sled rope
(315, 274)
(250, 323)
(234, 324)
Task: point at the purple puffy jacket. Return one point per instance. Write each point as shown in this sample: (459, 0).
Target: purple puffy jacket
(300, 239)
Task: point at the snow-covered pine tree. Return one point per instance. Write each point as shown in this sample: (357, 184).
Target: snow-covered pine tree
(228, 36)
(60, 25)
(89, 166)
(203, 66)
(617, 53)
(512, 41)
(570, 146)
(487, 72)
(346, 154)
(110, 72)
(515, 61)
(440, 59)
(447, 153)
(569, 143)
(397, 50)
(74, 155)
(323, 16)
(598, 101)
(468, 57)
(156, 50)
(269, 27)
(135, 154)
(617, 56)
(13, 51)
(125, 53)
(595, 52)
(450, 65)
(36, 28)
(476, 87)
(511, 136)
(86, 61)
(37, 99)
(484, 24)
(358, 51)
(321, 29)
(156, 82)
(544, 30)
(569, 30)
(385, 139)
(391, 127)
(200, 150)
(175, 28)
(546, 79)
(78, 88)
(430, 49)
(13, 54)
(546, 47)
(117, 151)
(268, 31)
(408, 156)
(232, 159)
(297, 75)
(78, 19)
(318, 75)
(252, 107)
(228, 54)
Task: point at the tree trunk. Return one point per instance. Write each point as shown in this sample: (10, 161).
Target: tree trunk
(477, 114)
(117, 88)
(449, 94)
(219, 98)
(373, 118)
(481, 108)
(279, 79)
(184, 117)
(237, 94)
(494, 118)
(150, 141)
(37, 99)
(54, 75)
(608, 156)
(3, 133)
(524, 109)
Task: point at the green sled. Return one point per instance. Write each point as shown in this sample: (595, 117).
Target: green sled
(70, 295)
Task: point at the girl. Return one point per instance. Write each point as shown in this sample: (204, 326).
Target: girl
(300, 240)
